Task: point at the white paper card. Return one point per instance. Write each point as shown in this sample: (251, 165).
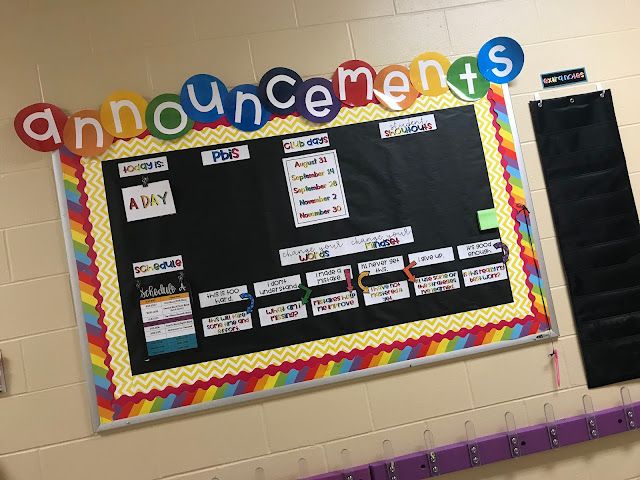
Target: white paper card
(156, 266)
(225, 155)
(328, 275)
(154, 200)
(432, 257)
(346, 246)
(336, 302)
(286, 312)
(229, 323)
(222, 296)
(484, 274)
(387, 292)
(277, 285)
(407, 126)
(381, 265)
(315, 188)
(308, 142)
(440, 282)
(479, 249)
(140, 167)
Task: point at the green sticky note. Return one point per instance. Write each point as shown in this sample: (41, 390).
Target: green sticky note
(487, 219)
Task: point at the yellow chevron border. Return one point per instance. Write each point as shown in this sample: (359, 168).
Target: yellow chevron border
(128, 384)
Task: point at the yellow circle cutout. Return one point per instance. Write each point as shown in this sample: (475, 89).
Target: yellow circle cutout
(122, 114)
(428, 73)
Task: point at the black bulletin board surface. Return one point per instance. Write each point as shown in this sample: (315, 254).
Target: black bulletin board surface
(233, 218)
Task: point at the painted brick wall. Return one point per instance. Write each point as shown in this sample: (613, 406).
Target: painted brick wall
(74, 52)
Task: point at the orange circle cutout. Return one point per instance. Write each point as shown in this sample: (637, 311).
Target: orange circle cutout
(84, 134)
(393, 89)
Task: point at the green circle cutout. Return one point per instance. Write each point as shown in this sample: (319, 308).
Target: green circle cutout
(465, 80)
(170, 123)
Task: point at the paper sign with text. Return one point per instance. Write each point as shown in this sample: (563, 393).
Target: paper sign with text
(277, 285)
(286, 312)
(229, 323)
(479, 249)
(154, 200)
(387, 292)
(329, 275)
(432, 257)
(222, 296)
(382, 265)
(140, 167)
(440, 282)
(484, 274)
(336, 302)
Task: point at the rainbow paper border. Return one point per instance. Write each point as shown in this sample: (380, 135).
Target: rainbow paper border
(111, 409)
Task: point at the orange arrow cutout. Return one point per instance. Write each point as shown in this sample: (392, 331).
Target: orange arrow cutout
(407, 271)
(364, 288)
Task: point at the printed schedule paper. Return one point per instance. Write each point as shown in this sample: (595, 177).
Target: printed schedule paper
(315, 188)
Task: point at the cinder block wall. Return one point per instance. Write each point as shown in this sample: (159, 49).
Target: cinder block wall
(75, 52)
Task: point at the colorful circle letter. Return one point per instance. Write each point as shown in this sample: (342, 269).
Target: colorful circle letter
(428, 72)
(501, 59)
(40, 126)
(316, 102)
(277, 90)
(465, 80)
(245, 110)
(166, 119)
(202, 98)
(122, 114)
(84, 134)
(353, 83)
(393, 88)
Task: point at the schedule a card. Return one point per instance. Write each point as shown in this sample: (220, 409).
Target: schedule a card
(315, 188)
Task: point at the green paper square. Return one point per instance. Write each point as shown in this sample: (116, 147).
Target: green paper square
(487, 219)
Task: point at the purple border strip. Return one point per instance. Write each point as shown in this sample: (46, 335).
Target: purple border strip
(494, 448)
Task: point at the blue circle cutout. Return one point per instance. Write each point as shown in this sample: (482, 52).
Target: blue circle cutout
(283, 90)
(500, 60)
(247, 116)
(203, 87)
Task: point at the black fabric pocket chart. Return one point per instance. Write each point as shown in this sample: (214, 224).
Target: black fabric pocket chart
(596, 222)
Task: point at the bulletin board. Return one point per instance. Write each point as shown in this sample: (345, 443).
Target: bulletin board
(228, 265)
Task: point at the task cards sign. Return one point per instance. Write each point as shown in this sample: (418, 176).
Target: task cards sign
(565, 77)
(315, 188)
(153, 200)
